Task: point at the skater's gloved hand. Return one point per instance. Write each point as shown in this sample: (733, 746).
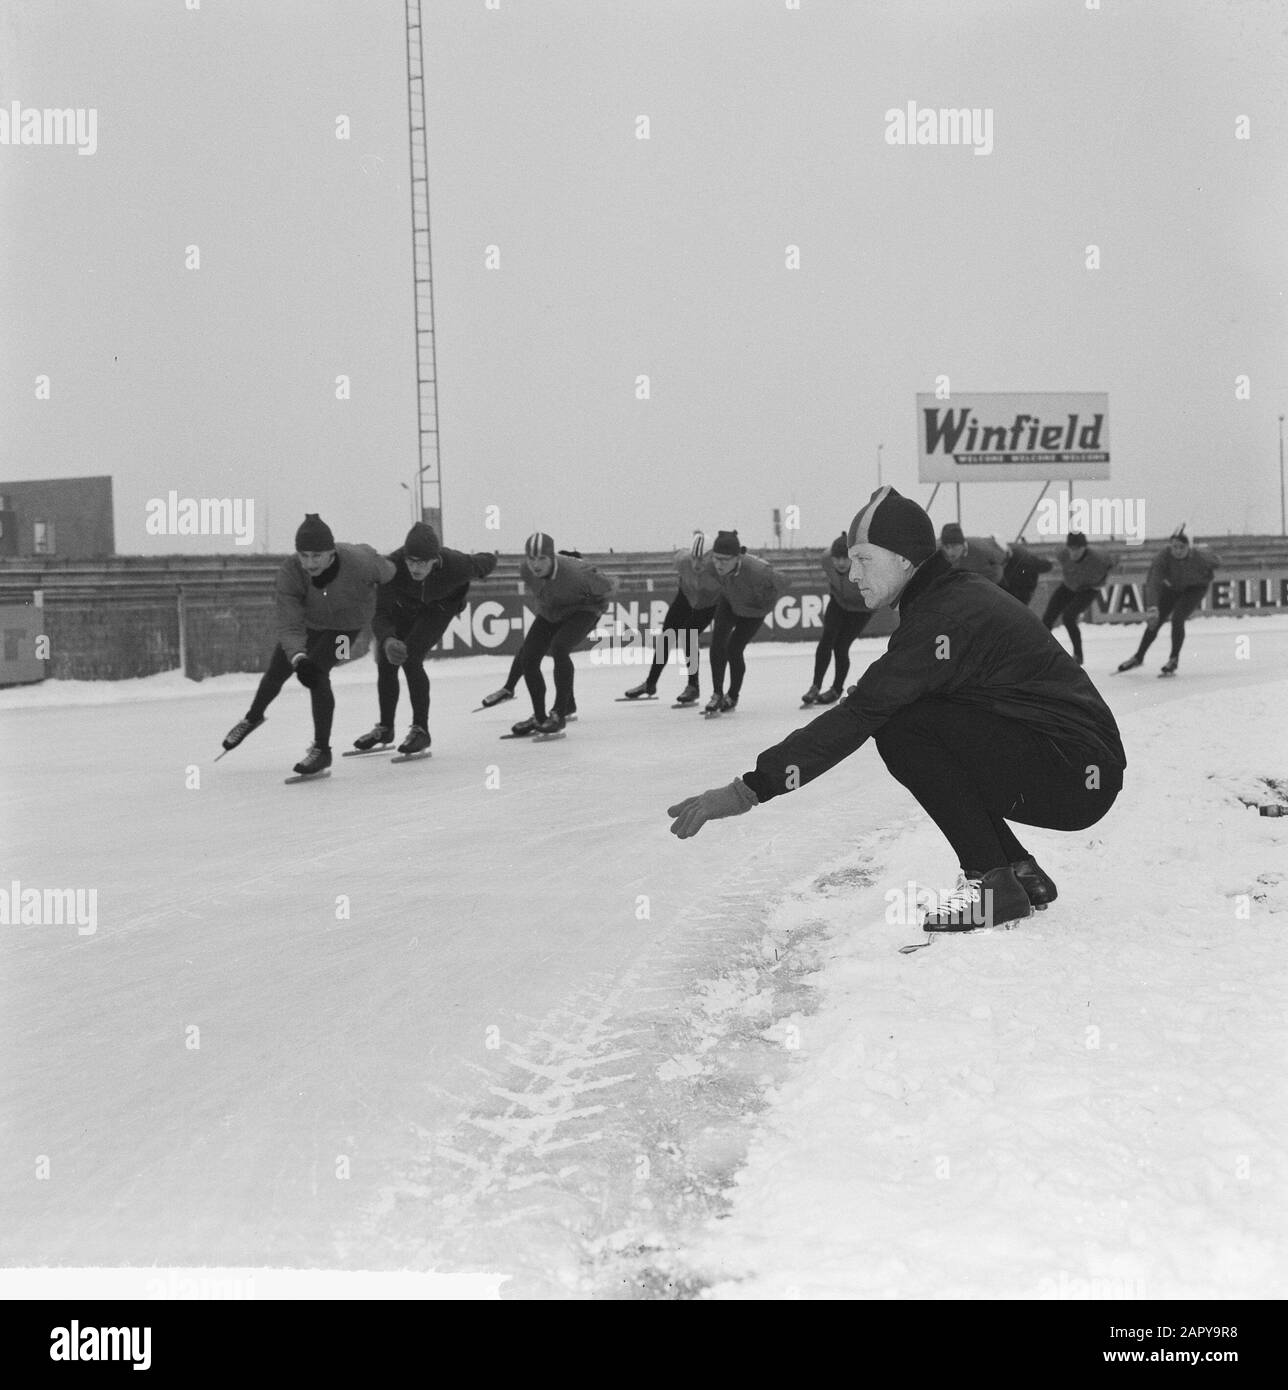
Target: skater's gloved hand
(395, 651)
(1151, 617)
(694, 812)
(309, 672)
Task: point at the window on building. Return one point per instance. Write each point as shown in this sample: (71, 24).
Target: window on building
(43, 538)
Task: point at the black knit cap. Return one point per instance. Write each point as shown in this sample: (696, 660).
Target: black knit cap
(727, 544)
(840, 548)
(422, 543)
(1075, 540)
(314, 534)
(952, 534)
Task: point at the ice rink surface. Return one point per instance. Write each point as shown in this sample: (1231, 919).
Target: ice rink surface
(485, 1012)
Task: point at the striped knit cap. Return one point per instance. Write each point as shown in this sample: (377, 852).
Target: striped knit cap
(539, 544)
(894, 522)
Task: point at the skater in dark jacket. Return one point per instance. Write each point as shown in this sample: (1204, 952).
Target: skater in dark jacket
(844, 619)
(1174, 588)
(326, 595)
(1020, 573)
(691, 610)
(749, 588)
(1083, 570)
(974, 707)
(569, 596)
(429, 588)
(975, 554)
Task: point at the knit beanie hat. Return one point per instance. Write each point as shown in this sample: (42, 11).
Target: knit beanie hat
(727, 544)
(1075, 540)
(894, 522)
(314, 534)
(698, 547)
(840, 549)
(951, 534)
(539, 544)
(1179, 535)
(422, 543)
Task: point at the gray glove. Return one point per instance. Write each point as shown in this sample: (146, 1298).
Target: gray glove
(395, 651)
(694, 812)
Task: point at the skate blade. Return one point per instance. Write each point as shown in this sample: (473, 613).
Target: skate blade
(308, 776)
(633, 700)
(917, 946)
(412, 757)
(548, 738)
(363, 752)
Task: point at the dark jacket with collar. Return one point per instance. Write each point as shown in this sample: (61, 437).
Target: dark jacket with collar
(444, 590)
(959, 638)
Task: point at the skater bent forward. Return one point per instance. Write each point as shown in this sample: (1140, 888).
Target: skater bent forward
(325, 595)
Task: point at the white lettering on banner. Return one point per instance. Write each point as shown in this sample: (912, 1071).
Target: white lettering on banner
(491, 626)
(458, 630)
(787, 612)
(811, 610)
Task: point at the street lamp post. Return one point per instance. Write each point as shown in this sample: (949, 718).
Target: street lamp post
(879, 448)
(1283, 516)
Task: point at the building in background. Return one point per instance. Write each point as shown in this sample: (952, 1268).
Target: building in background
(64, 518)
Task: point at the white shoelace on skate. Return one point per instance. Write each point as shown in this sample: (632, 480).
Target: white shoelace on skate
(964, 896)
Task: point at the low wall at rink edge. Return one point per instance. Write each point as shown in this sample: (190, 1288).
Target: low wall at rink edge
(132, 616)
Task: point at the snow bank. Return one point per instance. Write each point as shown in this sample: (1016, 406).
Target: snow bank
(1091, 1106)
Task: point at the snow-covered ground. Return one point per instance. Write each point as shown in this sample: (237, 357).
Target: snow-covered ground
(484, 1013)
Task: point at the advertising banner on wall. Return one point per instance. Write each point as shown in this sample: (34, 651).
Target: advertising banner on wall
(1012, 437)
(496, 626)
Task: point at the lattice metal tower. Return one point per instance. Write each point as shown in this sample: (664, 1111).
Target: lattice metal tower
(429, 473)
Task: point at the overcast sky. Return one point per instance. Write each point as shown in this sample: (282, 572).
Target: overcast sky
(620, 256)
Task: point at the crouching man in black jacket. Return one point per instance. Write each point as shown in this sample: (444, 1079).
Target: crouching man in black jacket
(975, 708)
(429, 588)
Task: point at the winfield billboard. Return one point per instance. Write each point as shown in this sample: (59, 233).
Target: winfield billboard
(1012, 437)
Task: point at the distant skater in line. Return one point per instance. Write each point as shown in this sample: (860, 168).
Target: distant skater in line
(844, 619)
(1174, 588)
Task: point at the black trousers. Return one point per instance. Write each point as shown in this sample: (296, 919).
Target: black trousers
(681, 628)
(729, 638)
(420, 636)
(1068, 605)
(972, 771)
(1177, 604)
(840, 628)
(558, 639)
(325, 648)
